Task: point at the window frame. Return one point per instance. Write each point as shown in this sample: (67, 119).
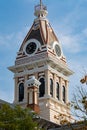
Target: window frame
(21, 94)
(64, 93)
(43, 92)
(51, 87)
(57, 90)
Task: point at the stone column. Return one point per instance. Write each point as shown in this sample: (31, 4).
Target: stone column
(16, 90)
(36, 75)
(60, 90)
(31, 96)
(66, 92)
(47, 82)
(54, 86)
(25, 89)
(36, 96)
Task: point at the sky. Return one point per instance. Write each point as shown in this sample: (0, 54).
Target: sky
(69, 21)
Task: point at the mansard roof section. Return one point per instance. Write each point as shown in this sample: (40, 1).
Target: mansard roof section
(42, 31)
(47, 32)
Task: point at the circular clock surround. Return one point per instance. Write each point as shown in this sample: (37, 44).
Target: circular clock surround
(31, 47)
(57, 49)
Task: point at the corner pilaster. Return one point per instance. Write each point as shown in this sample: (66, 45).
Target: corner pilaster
(47, 83)
(16, 90)
(66, 87)
(25, 89)
(60, 89)
(54, 86)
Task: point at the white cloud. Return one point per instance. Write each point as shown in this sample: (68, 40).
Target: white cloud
(78, 65)
(9, 45)
(13, 40)
(70, 43)
(73, 43)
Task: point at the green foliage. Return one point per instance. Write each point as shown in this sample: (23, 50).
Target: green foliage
(16, 118)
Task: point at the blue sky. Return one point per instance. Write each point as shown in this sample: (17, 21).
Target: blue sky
(69, 20)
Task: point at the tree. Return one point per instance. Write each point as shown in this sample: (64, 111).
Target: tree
(16, 118)
(84, 80)
(79, 103)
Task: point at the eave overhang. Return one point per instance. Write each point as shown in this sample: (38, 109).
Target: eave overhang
(45, 59)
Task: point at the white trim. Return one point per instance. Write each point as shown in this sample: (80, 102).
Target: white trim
(39, 70)
(41, 77)
(20, 83)
(32, 82)
(38, 45)
(20, 79)
(41, 74)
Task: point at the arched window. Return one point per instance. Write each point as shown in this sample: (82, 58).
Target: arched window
(57, 90)
(51, 87)
(64, 93)
(21, 92)
(42, 87)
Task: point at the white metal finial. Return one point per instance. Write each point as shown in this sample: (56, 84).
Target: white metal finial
(40, 2)
(40, 10)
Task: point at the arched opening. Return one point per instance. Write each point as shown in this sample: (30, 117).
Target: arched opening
(21, 92)
(57, 90)
(42, 87)
(64, 93)
(51, 87)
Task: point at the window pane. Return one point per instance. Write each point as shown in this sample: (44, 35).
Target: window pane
(42, 87)
(21, 92)
(51, 87)
(57, 90)
(64, 93)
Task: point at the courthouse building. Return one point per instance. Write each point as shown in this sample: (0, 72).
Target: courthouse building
(41, 72)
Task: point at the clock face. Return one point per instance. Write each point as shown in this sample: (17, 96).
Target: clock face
(31, 48)
(58, 50)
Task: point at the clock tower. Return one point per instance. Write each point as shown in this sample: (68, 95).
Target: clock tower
(41, 56)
